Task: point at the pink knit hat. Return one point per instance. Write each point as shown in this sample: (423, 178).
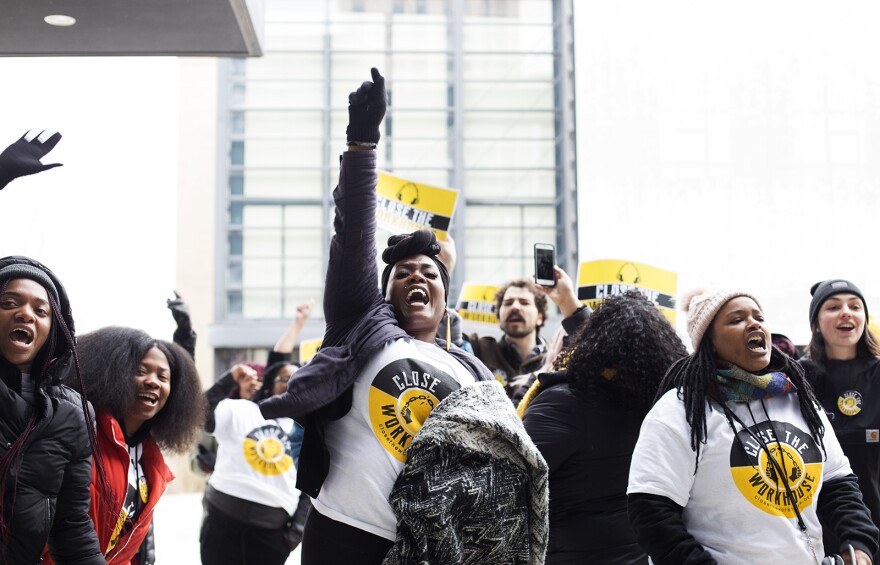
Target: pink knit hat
(702, 306)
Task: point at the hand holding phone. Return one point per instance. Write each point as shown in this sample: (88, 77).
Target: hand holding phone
(545, 259)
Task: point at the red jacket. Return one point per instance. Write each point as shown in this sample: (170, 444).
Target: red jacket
(114, 451)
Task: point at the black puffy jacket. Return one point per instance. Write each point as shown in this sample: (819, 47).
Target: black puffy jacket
(51, 479)
(588, 445)
(52, 499)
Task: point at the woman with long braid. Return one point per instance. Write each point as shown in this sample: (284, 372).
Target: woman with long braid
(736, 461)
(46, 432)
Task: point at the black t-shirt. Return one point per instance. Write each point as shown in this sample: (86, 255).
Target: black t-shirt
(136, 496)
(850, 394)
(849, 391)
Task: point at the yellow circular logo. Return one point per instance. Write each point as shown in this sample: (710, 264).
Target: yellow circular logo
(402, 396)
(849, 403)
(798, 464)
(267, 450)
(143, 490)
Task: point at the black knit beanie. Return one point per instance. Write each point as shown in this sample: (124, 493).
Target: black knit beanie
(824, 290)
(25, 271)
(421, 242)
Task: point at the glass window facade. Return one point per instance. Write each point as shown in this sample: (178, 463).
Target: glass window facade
(475, 97)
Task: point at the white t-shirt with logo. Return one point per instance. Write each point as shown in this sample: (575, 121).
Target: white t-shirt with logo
(391, 399)
(735, 507)
(253, 458)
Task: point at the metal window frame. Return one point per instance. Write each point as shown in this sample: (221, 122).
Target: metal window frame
(236, 332)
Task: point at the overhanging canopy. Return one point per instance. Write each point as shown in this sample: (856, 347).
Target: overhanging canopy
(222, 28)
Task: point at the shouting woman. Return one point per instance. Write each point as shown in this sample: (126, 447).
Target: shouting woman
(736, 461)
(147, 396)
(381, 382)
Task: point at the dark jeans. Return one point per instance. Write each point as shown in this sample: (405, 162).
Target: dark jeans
(328, 542)
(226, 541)
(299, 520)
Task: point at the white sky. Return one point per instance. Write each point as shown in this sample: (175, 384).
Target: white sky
(105, 222)
(736, 143)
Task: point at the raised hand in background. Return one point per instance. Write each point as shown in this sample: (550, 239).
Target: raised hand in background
(22, 158)
(366, 108)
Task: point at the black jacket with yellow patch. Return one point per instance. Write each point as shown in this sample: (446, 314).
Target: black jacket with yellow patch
(849, 391)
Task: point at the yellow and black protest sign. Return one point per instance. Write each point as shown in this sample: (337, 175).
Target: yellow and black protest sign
(597, 280)
(477, 303)
(307, 349)
(873, 326)
(404, 206)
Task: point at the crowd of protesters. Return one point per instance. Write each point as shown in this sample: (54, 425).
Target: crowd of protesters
(404, 440)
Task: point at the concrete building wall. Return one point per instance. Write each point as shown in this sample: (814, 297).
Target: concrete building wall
(197, 186)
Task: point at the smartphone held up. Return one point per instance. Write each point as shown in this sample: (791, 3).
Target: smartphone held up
(545, 259)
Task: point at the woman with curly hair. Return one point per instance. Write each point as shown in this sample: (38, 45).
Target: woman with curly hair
(147, 395)
(585, 420)
(736, 461)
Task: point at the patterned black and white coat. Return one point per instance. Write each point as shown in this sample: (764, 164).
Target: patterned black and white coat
(474, 489)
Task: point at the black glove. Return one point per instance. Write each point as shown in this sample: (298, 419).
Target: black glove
(366, 108)
(22, 158)
(206, 459)
(180, 311)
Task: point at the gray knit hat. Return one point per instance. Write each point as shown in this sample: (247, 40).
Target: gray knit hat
(824, 290)
(25, 271)
(702, 306)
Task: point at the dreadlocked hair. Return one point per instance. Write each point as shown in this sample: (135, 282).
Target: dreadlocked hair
(694, 379)
(42, 378)
(624, 347)
(103, 487)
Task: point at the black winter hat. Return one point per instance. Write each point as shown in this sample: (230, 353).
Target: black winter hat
(26, 271)
(17, 266)
(824, 290)
(420, 242)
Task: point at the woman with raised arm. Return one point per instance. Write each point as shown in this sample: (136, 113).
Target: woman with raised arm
(736, 460)
(380, 373)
